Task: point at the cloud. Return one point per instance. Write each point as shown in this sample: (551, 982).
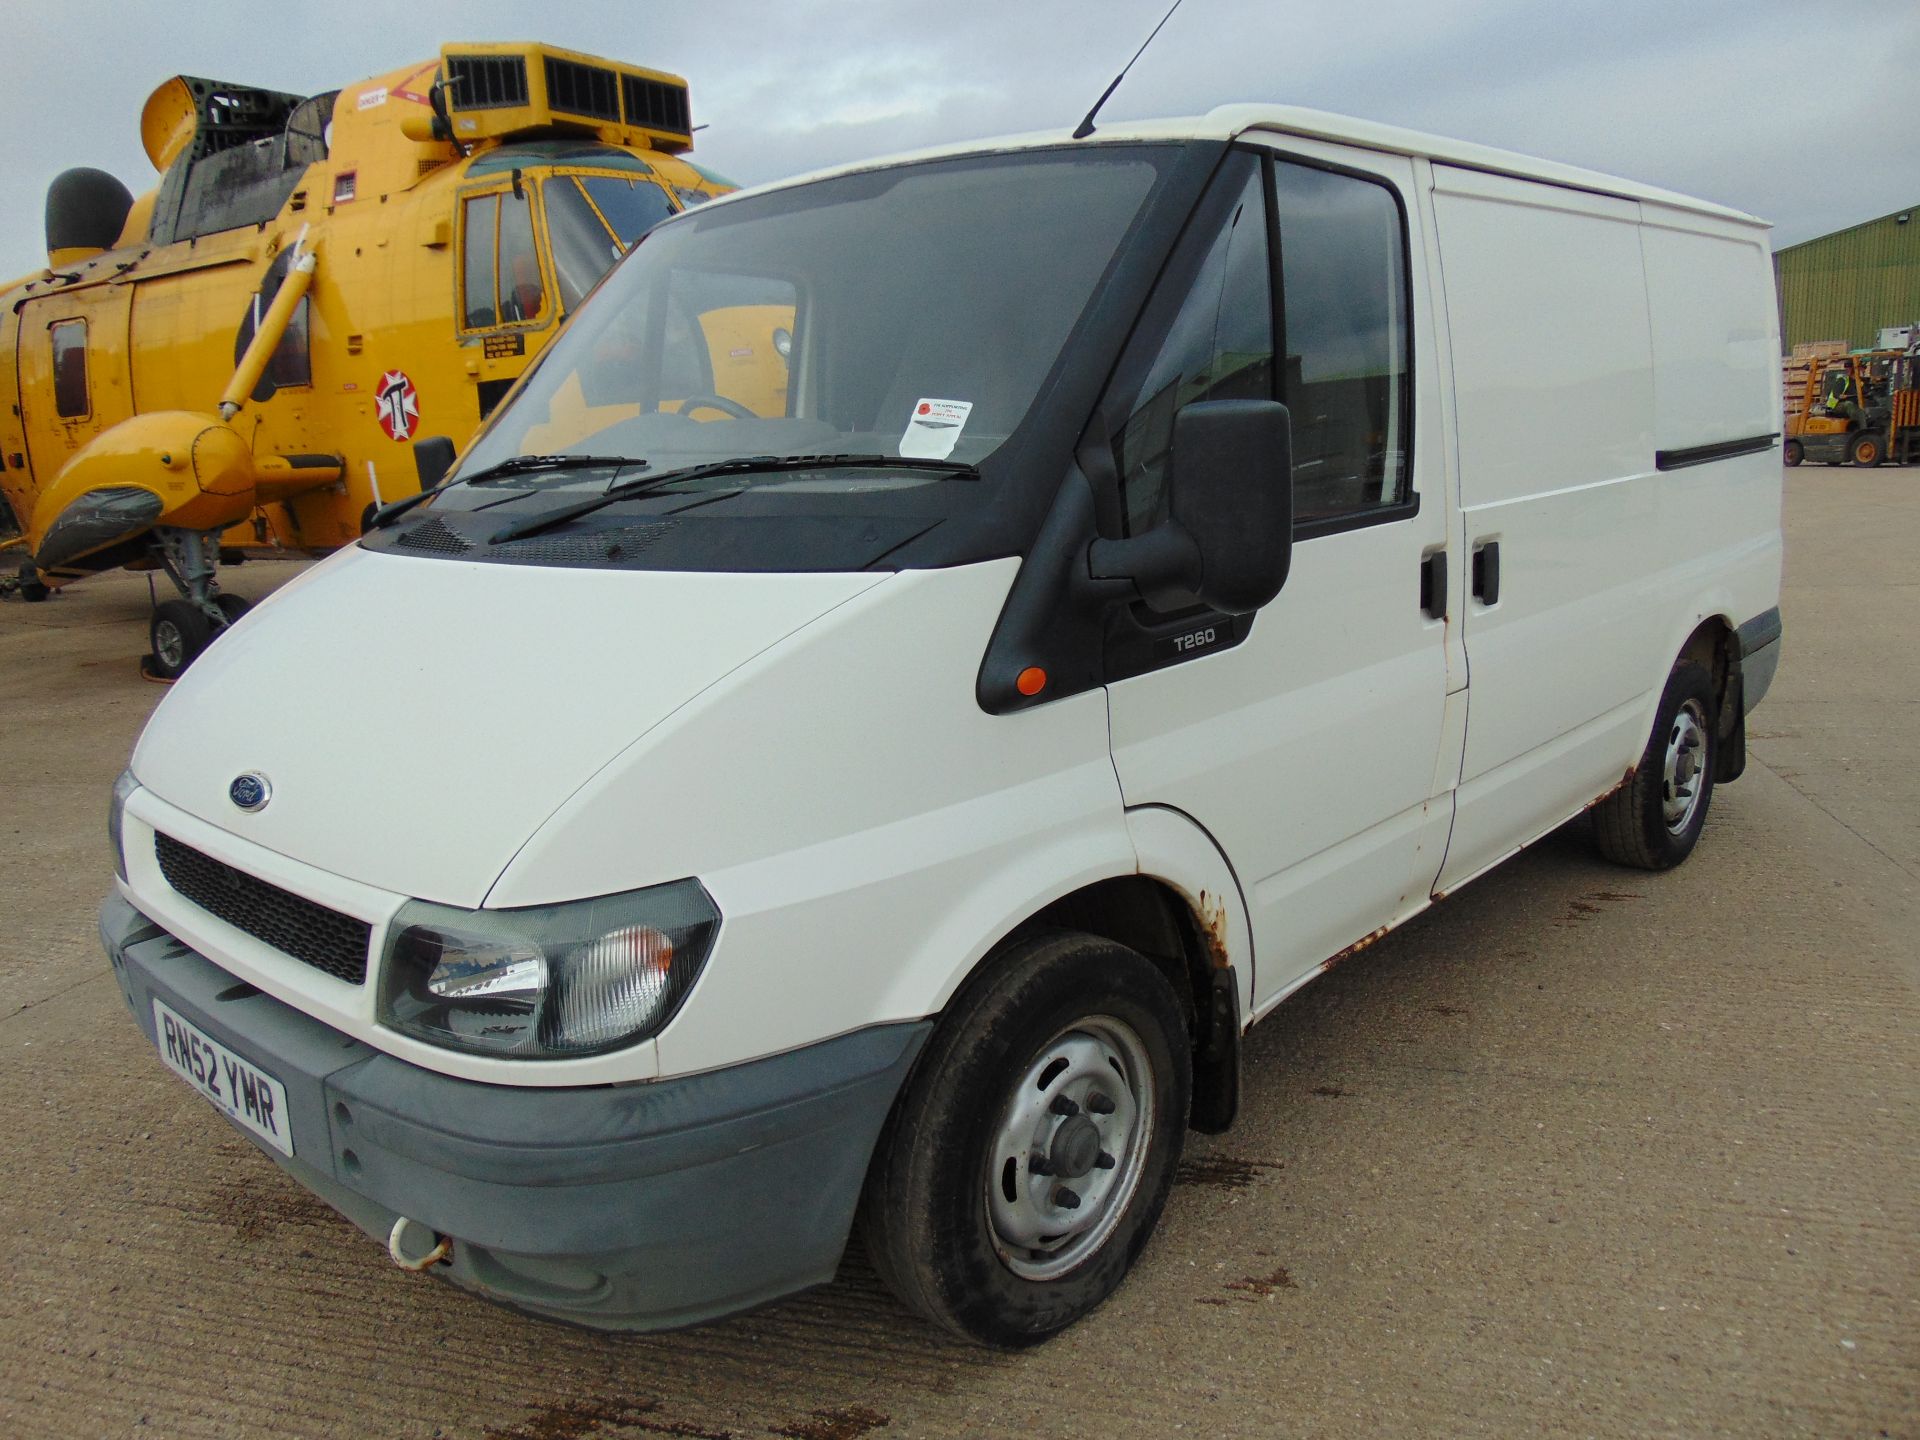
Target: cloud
(1714, 97)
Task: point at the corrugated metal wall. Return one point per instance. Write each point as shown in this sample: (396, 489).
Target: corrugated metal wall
(1847, 285)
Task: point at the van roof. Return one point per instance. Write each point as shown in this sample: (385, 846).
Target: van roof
(1228, 122)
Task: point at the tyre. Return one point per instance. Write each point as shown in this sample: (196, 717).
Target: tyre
(32, 588)
(1654, 820)
(232, 606)
(1030, 1154)
(1864, 449)
(178, 632)
(1796, 452)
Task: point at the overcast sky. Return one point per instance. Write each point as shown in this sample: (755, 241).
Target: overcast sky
(1734, 100)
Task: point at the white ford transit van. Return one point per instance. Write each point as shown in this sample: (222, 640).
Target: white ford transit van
(930, 655)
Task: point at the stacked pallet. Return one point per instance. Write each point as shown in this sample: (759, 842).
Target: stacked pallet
(1799, 372)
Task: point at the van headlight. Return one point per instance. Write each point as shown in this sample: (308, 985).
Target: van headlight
(549, 982)
(123, 786)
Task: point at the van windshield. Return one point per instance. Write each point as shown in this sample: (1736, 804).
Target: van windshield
(915, 311)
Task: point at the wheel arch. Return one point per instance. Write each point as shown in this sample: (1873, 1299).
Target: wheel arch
(1714, 642)
(1182, 909)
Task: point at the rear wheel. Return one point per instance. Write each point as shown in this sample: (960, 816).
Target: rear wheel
(1796, 452)
(1654, 820)
(1864, 449)
(178, 632)
(232, 606)
(1027, 1161)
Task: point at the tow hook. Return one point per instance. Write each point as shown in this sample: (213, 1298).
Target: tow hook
(440, 1247)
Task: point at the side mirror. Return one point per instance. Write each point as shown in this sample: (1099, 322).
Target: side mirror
(432, 457)
(1229, 539)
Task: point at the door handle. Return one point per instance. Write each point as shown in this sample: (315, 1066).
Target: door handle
(1433, 585)
(1486, 572)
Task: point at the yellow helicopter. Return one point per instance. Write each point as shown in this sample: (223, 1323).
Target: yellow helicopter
(252, 353)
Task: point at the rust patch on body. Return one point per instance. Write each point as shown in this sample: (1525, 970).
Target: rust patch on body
(1341, 956)
(1625, 781)
(1222, 1172)
(1213, 929)
(848, 1422)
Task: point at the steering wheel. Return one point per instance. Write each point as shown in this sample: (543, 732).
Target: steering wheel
(732, 408)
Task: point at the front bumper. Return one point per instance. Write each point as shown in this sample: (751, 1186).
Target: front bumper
(623, 1207)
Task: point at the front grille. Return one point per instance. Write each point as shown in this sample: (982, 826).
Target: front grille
(486, 82)
(323, 938)
(656, 105)
(434, 535)
(582, 89)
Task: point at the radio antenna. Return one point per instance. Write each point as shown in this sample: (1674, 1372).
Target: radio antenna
(1086, 125)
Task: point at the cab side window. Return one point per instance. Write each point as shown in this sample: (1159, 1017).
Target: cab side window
(1219, 347)
(69, 339)
(1343, 311)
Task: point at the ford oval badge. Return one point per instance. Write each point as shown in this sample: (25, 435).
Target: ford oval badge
(250, 791)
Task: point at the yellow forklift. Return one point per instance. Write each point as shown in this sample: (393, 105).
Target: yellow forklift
(1860, 409)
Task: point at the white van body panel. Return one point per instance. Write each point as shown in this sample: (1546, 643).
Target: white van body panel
(422, 768)
(867, 831)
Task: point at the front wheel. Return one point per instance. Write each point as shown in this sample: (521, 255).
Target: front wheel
(1026, 1163)
(1654, 820)
(1864, 450)
(179, 631)
(1796, 452)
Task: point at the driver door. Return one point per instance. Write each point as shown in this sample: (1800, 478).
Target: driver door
(1307, 738)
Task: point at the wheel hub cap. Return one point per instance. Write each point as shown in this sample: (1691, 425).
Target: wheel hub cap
(169, 644)
(1069, 1148)
(1683, 777)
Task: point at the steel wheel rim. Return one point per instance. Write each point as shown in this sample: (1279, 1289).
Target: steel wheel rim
(1683, 779)
(169, 645)
(1052, 1122)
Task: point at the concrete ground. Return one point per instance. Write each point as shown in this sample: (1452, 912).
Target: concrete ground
(1581, 1152)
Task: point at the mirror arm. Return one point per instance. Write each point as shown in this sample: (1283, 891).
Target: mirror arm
(1164, 561)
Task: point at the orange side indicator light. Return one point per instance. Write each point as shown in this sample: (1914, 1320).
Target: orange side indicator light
(1031, 681)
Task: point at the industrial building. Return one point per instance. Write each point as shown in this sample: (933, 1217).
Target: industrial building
(1852, 284)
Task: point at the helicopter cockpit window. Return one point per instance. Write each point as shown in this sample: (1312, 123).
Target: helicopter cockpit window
(631, 207)
(69, 339)
(594, 219)
(501, 283)
(583, 248)
(482, 214)
(522, 294)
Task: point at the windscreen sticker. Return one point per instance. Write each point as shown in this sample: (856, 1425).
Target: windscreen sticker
(934, 428)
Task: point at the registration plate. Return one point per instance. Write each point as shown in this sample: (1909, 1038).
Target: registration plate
(249, 1097)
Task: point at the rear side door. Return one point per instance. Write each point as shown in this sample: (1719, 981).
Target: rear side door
(1307, 738)
(1546, 305)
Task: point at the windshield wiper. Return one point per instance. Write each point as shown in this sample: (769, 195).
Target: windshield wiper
(512, 465)
(743, 465)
